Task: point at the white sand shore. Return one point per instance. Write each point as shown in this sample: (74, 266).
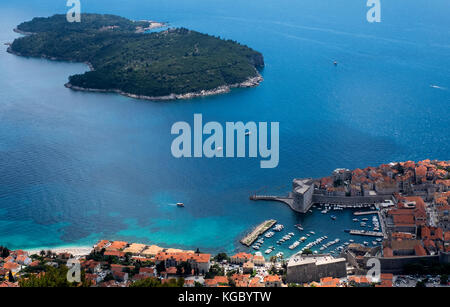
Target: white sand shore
(74, 250)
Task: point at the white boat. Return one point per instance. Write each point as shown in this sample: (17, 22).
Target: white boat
(268, 251)
(294, 245)
(312, 232)
(278, 227)
(255, 247)
(269, 234)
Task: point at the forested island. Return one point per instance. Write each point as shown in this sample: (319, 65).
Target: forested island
(125, 58)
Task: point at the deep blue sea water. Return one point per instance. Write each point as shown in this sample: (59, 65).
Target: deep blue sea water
(76, 167)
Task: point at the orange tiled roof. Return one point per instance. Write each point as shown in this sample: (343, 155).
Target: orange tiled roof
(117, 245)
(210, 282)
(419, 250)
(272, 278)
(183, 256)
(221, 279)
(10, 265)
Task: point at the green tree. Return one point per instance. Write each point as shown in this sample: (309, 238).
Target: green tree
(221, 257)
(53, 277)
(307, 252)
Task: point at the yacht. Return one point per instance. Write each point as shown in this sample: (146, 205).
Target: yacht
(269, 234)
(294, 245)
(278, 227)
(180, 205)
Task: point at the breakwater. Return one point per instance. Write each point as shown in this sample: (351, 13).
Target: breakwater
(258, 230)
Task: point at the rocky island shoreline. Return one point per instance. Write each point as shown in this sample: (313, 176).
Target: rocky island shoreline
(250, 82)
(169, 65)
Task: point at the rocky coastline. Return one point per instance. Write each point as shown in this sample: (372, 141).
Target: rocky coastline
(250, 82)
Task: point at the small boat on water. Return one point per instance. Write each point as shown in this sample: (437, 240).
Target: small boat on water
(278, 227)
(333, 217)
(181, 205)
(294, 245)
(269, 234)
(355, 220)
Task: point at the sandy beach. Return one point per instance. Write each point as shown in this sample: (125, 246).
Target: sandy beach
(74, 250)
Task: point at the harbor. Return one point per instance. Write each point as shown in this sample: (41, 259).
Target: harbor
(325, 228)
(365, 233)
(257, 231)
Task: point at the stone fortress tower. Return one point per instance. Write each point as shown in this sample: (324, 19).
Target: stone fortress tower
(302, 193)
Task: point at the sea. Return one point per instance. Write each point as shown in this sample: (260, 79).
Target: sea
(76, 167)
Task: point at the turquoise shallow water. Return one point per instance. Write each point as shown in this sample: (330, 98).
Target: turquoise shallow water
(76, 167)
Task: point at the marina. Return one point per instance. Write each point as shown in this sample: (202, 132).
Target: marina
(365, 233)
(311, 231)
(258, 230)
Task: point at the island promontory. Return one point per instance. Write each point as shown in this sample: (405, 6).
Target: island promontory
(125, 58)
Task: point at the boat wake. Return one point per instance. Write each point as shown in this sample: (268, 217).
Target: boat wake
(438, 87)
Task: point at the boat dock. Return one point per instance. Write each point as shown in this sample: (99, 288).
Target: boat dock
(366, 233)
(365, 212)
(257, 231)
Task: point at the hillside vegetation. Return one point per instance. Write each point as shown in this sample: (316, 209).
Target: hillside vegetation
(175, 61)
